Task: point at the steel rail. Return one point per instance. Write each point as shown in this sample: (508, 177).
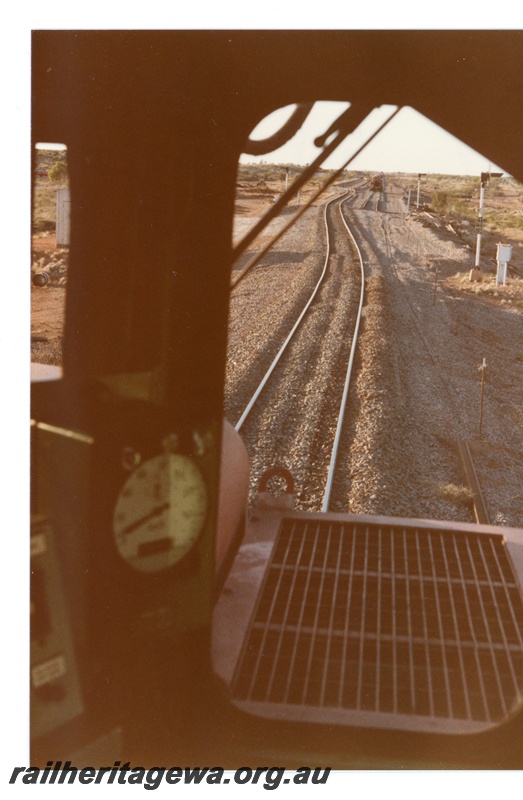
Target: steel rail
(296, 325)
(341, 415)
(344, 126)
(480, 507)
(257, 257)
(262, 224)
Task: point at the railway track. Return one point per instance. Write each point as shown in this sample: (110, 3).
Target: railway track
(409, 408)
(295, 327)
(385, 261)
(373, 202)
(314, 362)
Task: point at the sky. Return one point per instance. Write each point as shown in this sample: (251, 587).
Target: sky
(409, 143)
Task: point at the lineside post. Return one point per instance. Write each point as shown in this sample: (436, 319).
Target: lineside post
(483, 369)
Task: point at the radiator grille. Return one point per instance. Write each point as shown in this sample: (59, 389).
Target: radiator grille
(388, 620)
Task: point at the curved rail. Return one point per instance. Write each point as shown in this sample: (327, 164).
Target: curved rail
(337, 437)
(296, 324)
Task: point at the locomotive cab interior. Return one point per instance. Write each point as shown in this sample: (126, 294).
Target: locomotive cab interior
(141, 644)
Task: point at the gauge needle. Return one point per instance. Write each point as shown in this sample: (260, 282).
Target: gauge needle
(154, 513)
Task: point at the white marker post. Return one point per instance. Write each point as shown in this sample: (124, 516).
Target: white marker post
(482, 368)
(480, 220)
(504, 254)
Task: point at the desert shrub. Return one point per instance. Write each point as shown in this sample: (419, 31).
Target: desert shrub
(440, 201)
(44, 208)
(43, 225)
(513, 221)
(469, 187)
(457, 494)
(462, 210)
(58, 173)
(498, 222)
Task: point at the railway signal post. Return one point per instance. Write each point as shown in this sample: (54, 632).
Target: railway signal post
(475, 273)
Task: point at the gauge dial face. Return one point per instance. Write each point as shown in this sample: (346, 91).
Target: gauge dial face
(160, 512)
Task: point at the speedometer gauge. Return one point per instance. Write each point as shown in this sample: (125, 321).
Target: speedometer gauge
(160, 512)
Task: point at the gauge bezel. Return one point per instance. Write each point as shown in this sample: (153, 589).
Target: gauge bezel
(165, 493)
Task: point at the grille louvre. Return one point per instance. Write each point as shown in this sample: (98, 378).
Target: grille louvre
(374, 620)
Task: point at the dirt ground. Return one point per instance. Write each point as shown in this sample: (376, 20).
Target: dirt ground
(48, 302)
(425, 331)
(425, 262)
(47, 321)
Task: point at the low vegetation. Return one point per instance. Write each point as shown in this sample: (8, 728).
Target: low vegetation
(58, 173)
(51, 173)
(456, 198)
